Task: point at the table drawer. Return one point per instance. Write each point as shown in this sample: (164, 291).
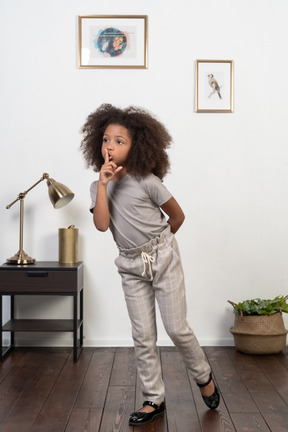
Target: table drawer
(37, 281)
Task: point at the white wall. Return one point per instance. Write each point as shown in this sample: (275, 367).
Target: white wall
(229, 171)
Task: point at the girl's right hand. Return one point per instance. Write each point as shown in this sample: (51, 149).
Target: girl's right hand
(108, 170)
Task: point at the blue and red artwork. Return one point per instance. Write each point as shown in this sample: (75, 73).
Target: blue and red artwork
(111, 42)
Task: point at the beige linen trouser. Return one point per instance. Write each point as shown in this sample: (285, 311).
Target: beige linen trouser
(151, 271)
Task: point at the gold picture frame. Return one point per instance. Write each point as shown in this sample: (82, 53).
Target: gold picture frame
(112, 41)
(214, 86)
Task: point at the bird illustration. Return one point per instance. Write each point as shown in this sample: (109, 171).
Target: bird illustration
(214, 84)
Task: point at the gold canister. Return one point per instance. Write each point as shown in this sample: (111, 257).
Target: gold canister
(68, 245)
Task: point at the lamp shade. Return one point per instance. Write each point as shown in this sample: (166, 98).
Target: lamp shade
(59, 194)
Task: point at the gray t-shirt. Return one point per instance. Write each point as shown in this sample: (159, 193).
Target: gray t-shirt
(135, 216)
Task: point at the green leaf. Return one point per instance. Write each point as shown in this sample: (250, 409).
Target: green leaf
(261, 307)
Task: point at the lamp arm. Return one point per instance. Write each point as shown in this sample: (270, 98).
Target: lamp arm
(23, 194)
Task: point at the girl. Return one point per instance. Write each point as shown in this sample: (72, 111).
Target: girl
(128, 148)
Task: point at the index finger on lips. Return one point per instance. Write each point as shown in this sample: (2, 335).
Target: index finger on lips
(106, 159)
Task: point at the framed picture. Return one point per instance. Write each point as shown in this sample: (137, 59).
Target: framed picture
(112, 41)
(214, 86)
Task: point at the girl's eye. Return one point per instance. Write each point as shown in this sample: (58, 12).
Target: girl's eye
(119, 142)
(105, 140)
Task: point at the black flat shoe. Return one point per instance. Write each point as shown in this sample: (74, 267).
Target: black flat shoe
(140, 418)
(211, 401)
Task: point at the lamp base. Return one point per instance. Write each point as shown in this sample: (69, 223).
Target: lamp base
(20, 258)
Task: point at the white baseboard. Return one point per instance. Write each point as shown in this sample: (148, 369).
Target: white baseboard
(60, 340)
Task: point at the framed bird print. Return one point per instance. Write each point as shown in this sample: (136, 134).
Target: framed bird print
(112, 41)
(214, 86)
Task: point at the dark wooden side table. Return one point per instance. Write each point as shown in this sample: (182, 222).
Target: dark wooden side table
(43, 278)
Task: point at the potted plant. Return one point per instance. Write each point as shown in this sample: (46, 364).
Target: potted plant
(259, 326)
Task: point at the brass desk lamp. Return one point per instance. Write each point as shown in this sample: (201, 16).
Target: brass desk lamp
(59, 196)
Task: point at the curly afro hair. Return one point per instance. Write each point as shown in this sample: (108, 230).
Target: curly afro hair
(150, 139)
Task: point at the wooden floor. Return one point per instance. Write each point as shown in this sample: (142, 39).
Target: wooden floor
(43, 390)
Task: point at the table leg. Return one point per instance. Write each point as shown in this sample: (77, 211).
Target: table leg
(81, 319)
(1, 321)
(12, 313)
(75, 314)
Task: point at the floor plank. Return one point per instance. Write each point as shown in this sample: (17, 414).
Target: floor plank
(57, 409)
(21, 376)
(212, 420)
(179, 398)
(119, 405)
(10, 361)
(94, 388)
(233, 389)
(249, 422)
(276, 373)
(42, 389)
(84, 420)
(124, 371)
(30, 401)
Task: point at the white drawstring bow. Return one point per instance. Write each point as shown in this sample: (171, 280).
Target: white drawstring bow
(147, 259)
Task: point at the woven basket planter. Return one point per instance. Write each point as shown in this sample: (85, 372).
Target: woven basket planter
(259, 334)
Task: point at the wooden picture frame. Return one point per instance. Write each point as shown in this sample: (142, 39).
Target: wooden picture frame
(112, 41)
(214, 86)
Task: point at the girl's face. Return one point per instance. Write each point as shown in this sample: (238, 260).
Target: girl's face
(117, 142)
